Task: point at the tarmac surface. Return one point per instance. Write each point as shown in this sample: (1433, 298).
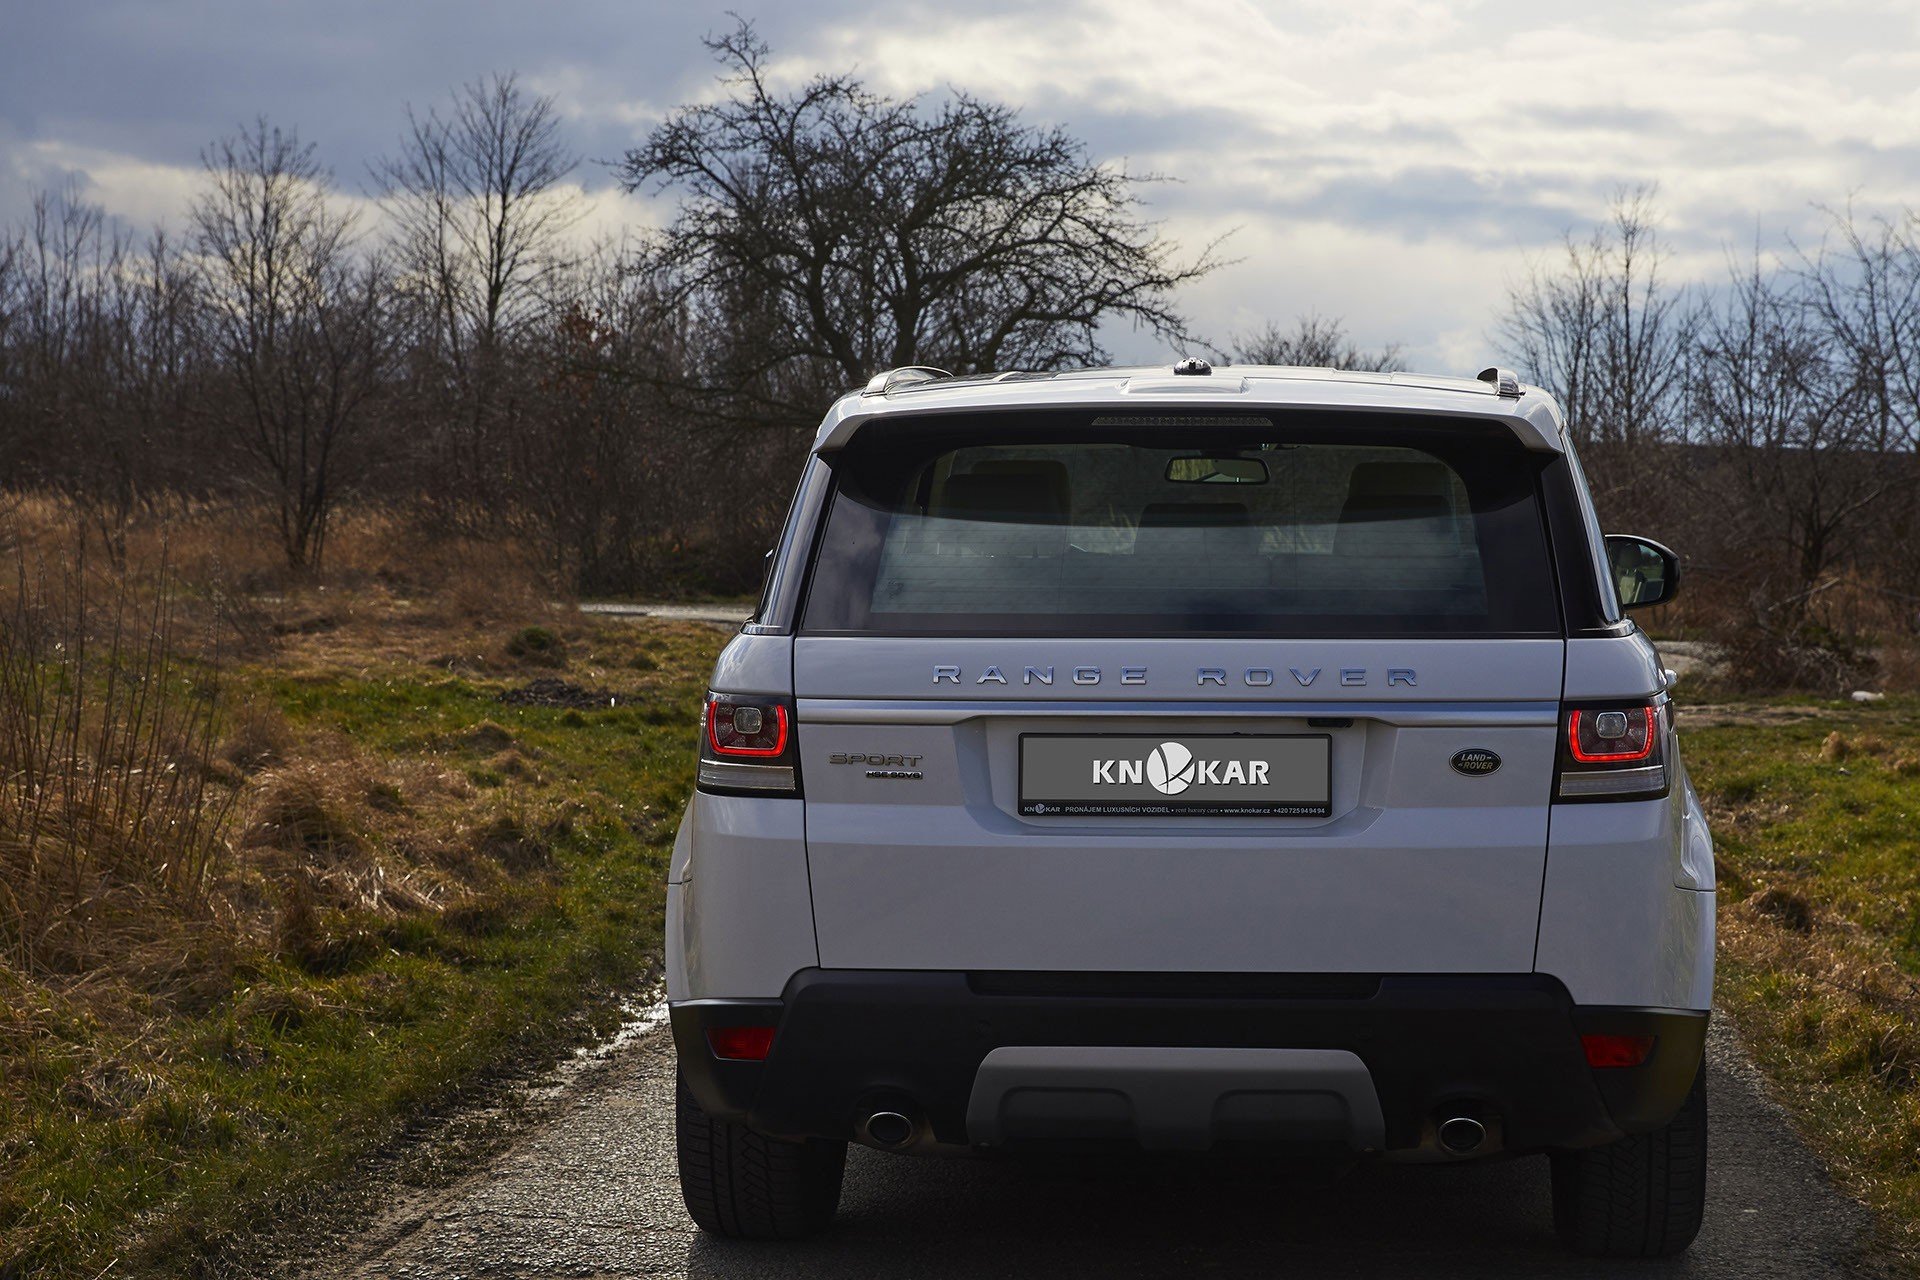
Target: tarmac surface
(590, 1191)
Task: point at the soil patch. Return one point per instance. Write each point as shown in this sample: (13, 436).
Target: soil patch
(551, 691)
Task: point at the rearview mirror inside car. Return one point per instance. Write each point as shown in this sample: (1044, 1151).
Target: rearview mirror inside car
(1216, 471)
(1644, 571)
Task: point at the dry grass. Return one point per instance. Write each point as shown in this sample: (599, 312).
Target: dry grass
(279, 867)
(112, 821)
(376, 559)
(1814, 823)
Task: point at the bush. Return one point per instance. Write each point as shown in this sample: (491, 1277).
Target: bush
(107, 749)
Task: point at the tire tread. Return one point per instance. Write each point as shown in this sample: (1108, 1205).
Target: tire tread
(744, 1185)
(1641, 1197)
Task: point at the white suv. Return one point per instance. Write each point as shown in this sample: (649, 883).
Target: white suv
(1186, 759)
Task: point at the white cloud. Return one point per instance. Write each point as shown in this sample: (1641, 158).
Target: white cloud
(1389, 161)
(141, 192)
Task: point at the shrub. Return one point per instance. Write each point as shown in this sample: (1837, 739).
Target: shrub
(106, 754)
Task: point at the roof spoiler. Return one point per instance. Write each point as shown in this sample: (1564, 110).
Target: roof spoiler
(1496, 395)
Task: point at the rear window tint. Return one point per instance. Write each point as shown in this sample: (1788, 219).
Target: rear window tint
(1230, 526)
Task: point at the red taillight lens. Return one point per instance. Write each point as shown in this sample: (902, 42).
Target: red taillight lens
(1613, 752)
(1612, 737)
(1616, 1051)
(740, 1044)
(745, 728)
(748, 745)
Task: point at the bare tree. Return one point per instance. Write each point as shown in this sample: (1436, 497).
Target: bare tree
(1796, 469)
(16, 433)
(1603, 333)
(1863, 286)
(480, 214)
(612, 484)
(849, 232)
(76, 311)
(1315, 341)
(13, 308)
(300, 322)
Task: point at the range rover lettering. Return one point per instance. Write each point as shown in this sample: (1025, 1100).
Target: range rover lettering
(1253, 758)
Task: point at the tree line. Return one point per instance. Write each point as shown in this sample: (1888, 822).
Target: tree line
(1765, 423)
(635, 410)
(445, 342)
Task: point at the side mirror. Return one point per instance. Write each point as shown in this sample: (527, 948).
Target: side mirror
(1644, 571)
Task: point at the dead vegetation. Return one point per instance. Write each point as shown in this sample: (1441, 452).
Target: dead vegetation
(142, 799)
(113, 824)
(279, 866)
(1819, 932)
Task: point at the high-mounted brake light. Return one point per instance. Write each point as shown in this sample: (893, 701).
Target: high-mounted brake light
(747, 744)
(1613, 752)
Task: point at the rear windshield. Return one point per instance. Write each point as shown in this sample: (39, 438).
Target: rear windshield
(1238, 526)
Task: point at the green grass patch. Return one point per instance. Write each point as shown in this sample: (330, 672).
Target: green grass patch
(1816, 824)
(142, 1131)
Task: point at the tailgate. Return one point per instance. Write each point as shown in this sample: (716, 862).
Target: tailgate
(920, 855)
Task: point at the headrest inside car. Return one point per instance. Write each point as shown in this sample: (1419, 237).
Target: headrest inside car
(1021, 497)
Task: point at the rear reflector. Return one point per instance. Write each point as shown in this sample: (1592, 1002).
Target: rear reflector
(740, 1044)
(1615, 1051)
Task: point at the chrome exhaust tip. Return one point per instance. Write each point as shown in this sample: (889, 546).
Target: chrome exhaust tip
(1462, 1134)
(889, 1129)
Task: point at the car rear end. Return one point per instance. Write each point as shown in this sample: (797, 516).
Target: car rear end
(1126, 763)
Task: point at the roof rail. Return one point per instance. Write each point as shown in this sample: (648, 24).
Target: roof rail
(1506, 383)
(881, 383)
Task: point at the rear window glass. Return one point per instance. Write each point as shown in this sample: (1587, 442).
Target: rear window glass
(1198, 525)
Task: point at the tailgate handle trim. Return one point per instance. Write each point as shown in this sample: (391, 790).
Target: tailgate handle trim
(1410, 714)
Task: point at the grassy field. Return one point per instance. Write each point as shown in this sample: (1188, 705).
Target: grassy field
(425, 882)
(1815, 809)
(445, 837)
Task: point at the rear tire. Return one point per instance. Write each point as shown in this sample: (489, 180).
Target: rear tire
(746, 1186)
(1640, 1197)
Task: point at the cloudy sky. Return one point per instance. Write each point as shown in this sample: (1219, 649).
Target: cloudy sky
(1393, 162)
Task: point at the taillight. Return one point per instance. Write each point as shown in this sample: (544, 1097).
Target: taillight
(739, 729)
(1613, 752)
(1611, 737)
(747, 744)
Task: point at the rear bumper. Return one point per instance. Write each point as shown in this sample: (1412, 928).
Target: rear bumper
(1504, 1049)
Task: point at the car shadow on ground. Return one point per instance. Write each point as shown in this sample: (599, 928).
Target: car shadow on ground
(1145, 1216)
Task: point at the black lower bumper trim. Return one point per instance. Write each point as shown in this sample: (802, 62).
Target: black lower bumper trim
(1506, 1046)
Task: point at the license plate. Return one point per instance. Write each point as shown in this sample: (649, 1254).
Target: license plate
(1156, 775)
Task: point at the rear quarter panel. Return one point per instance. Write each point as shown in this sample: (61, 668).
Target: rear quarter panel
(1626, 917)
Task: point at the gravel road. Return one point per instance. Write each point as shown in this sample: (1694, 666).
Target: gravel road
(590, 1192)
